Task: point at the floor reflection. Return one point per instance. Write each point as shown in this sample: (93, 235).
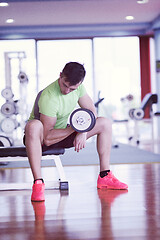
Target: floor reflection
(152, 200)
(85, 212)
(54, 228)
(107, 199)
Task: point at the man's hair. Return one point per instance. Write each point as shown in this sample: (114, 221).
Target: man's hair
(74, 73)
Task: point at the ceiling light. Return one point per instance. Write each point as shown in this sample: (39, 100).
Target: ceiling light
(129, 18)
(3, 4)
(142, 1)
(9, 20)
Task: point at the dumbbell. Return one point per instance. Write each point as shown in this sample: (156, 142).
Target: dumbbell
(82, 120)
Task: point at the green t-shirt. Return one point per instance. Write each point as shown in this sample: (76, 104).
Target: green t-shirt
(55, 104)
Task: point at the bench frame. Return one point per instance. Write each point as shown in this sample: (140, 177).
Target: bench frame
(8, 154)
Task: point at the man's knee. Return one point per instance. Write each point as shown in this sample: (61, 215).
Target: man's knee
(105, 124)
(104, 121)
(33, 127)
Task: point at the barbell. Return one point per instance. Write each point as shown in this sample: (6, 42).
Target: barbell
(82, 120)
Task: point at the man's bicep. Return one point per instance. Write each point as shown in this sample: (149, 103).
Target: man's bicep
(48, 122)
(86, 102)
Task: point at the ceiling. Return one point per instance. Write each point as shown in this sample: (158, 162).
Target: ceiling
(75, 18)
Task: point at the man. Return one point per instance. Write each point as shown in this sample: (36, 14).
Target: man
(47, 126)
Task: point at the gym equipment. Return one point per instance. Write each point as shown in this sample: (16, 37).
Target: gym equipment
(15, 111)
(126, 101)
(131, 112)
(137, 114)
(128, 98)
(7, 93)
(5, 141)
(11, 153)
(8, 125)
(8, 108)
(97, 103)
(148, 101)
(82, 120)
(22, 77)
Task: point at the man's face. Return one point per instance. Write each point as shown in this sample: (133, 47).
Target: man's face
(65, 86)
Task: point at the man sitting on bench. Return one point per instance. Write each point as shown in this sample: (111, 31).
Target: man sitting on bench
(47, 126)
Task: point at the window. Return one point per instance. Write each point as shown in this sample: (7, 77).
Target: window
(53, 55)
(117, 72)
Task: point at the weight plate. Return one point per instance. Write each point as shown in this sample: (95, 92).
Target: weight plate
(8, 109)
(131, 113)
(7, 93)
(138, 114)
(8, 125)
(22, 77)
(82, 120)
(5, 141)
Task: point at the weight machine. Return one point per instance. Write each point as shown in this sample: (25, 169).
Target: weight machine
(138, 114)
(14, 111)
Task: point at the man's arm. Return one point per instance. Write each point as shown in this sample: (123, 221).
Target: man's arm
(51, 135)
(80, 139)
(86, 102)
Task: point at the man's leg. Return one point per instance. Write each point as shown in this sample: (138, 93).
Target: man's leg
(33, 142)
(103, 130)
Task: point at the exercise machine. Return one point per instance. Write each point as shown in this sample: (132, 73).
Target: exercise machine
(138, 114)
(14, 112)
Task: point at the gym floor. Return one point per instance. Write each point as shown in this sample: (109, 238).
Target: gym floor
(84, 212)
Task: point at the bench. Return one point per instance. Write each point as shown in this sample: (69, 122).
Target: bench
(8, 154)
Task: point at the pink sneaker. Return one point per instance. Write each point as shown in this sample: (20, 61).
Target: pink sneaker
(110, 182)
(38, 191)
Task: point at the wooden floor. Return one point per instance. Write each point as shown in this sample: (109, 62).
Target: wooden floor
(84, 212)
